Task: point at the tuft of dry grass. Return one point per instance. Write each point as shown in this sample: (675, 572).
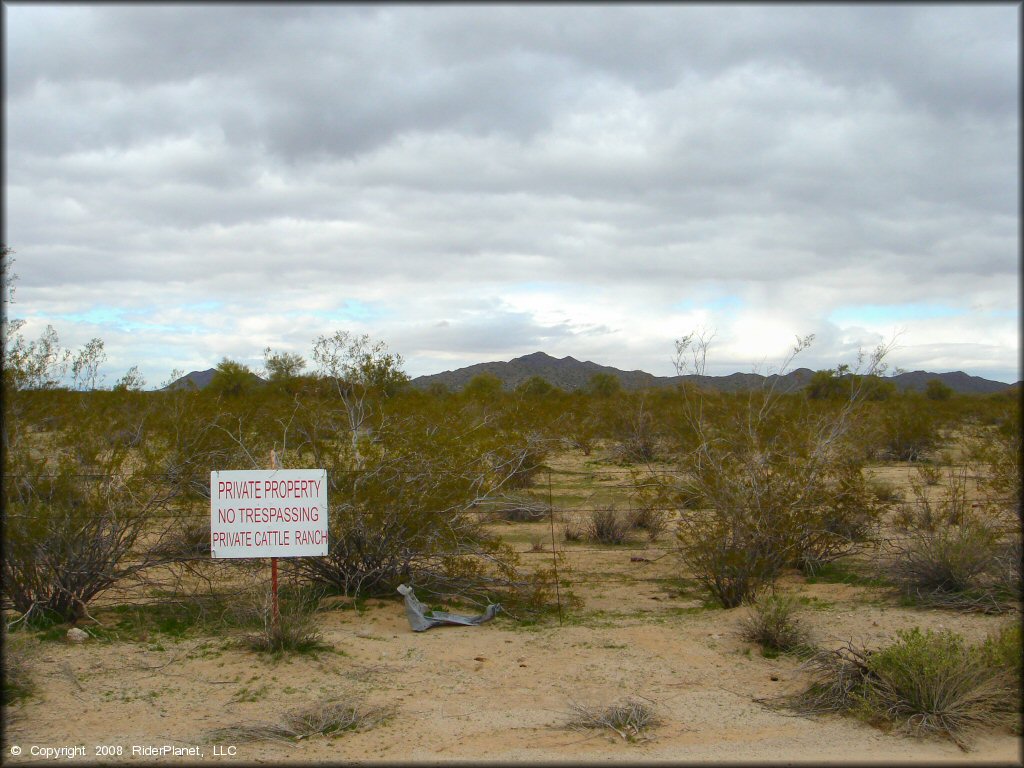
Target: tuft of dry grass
(630, 719)
(326, 719)
(607, 526)
(955, 566)
(574, 530)
(774, 623)
(16, 683)
(295, 630)
(651, 519)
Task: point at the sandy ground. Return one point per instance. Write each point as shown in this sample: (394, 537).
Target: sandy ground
(490, 693)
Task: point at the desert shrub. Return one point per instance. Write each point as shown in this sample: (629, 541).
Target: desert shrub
(1002, 651)
(931, 682)
(637, 441)
(841, 520)
(909, 427)
(541, 593)
(924, 683)
(604, 385)
(581, 430)
(884, 491)
(784, 496)
(606, 525)
(629, 719)
(404, 511)
(780, 479)
(929, 474)
(72, 525)
(774, 623)
(517, 457)
(925, 512)
(400, 510)
(996, 455)
(953, 565)
(232, 379)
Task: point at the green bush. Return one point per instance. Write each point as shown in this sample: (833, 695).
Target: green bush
(931, 682)
(926, 683)
(909, 427)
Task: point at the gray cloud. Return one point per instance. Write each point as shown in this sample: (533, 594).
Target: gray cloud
(415, 159)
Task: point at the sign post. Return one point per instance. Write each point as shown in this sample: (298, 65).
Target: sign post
(275, 614)
(268, 513)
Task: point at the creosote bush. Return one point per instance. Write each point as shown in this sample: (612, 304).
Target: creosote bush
(514, 508)
(651, 519)
(574, 530)
(779, 479)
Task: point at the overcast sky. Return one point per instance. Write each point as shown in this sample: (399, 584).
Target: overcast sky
(477, 182)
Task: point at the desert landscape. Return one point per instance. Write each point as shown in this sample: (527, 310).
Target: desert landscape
(503, 691)
(659, 363)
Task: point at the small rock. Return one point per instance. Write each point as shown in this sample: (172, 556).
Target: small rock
(775, 678)
(76, 635)
(479, 658)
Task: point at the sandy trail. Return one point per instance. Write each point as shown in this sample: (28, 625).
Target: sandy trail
(491, 693)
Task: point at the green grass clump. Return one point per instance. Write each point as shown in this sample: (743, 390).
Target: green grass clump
(774, 623)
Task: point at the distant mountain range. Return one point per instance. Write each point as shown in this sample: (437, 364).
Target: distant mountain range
(570, 374)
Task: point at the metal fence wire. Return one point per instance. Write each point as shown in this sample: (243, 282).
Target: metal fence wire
(546, 520)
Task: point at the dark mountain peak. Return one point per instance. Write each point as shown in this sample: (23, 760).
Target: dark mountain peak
(534, 357)
(193, 380)
(202, 379)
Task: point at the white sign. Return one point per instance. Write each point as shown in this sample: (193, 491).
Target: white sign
(268, 513)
